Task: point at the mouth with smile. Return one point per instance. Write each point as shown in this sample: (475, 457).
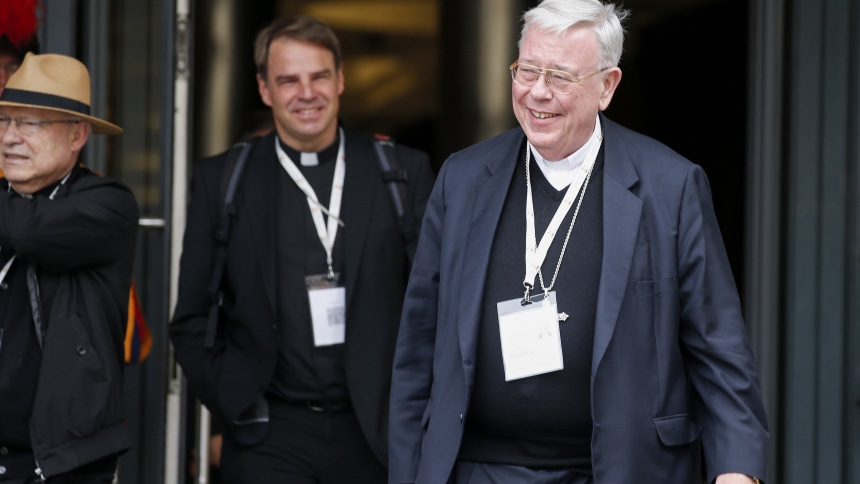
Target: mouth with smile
(541, 115)
(309, 112)
(13, 158)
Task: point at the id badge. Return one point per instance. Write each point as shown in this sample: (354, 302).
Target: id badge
(328, 309)
(531, 343)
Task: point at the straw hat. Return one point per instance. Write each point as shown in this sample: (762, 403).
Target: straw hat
(56, 83)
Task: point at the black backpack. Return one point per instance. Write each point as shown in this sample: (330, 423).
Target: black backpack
(394, 177)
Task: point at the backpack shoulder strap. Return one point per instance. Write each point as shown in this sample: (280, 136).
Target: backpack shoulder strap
(237, 158)
(397, 180)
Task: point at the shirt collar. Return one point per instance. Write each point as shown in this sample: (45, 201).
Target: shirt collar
(323, 156)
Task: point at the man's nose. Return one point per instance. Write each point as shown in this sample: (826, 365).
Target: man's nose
(306, 90)
(12, 134)
(541, 89)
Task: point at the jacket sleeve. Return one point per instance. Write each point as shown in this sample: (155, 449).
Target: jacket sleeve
(718, 354)
(200, 365)
(412, 375)
(89, 227)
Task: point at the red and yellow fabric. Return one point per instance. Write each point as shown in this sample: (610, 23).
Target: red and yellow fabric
(138, 338)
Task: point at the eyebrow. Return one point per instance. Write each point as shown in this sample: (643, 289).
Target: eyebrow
(291, 77)
(555, 66)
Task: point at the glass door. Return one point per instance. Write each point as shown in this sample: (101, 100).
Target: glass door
(132, 49)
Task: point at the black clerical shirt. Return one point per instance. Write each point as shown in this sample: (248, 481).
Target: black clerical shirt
(541, 421)
(304, 372)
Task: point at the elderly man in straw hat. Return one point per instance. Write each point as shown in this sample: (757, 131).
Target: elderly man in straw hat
(67, 242)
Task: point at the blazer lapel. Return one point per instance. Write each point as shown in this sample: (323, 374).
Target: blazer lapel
(489, 197)
(361, 181)
(621, 212)
(256, 202)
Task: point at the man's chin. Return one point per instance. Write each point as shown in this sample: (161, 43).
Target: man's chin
(542, 141)
(313, 131)
(13, 177)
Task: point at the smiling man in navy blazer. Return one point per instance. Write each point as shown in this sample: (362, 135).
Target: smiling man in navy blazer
(571, 316)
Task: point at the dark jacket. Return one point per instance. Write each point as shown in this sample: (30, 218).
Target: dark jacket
(81, 244)
(232, 377)
(672, 362)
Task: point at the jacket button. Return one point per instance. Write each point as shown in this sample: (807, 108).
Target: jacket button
(461, 418)
(2, 470)
(4, 451)
(81, 350)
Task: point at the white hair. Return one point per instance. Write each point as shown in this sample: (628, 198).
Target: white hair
(557, 16)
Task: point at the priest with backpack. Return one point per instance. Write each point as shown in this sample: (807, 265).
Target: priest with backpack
(294, 267)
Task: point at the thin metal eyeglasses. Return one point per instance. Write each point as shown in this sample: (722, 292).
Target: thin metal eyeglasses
(30, 126)
(560, 82)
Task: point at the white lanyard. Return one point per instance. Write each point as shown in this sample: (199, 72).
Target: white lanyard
(536, 253)
(57, 188)
(5, 269)
(327, 237)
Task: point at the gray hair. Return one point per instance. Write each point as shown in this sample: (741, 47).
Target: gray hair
(557, 16)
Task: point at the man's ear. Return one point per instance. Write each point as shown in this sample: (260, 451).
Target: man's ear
(340, 83)
(611, 79)
(80, 135)
(264, 91)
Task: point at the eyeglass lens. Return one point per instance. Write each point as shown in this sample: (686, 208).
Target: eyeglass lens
(559, 81)
(24, 125)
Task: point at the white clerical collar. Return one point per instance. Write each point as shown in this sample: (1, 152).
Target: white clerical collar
(560, 173)
(309, 159)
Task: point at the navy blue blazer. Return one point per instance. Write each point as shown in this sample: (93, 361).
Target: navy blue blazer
(672, 360)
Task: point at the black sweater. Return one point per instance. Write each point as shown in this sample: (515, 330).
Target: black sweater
(542, 421)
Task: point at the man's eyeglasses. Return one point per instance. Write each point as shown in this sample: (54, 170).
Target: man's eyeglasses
(29, 126)
(560, 82)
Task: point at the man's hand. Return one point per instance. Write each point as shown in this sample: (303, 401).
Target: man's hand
(734, 479)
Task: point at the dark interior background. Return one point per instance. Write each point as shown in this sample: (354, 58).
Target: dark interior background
(684, 83)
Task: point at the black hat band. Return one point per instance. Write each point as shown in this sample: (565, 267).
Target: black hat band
(44, 100)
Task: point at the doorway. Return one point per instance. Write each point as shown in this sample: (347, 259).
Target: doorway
(685, 84)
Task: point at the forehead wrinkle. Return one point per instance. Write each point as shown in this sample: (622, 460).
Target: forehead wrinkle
(553, 65)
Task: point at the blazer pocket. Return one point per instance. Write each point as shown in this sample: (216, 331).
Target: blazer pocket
(651, 288)
(677, 429)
